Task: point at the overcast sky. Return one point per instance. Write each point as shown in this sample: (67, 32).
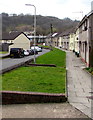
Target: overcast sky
(57, 8)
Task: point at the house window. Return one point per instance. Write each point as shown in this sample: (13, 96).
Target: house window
(85, 25)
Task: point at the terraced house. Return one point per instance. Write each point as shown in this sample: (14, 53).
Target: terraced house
(86, 39)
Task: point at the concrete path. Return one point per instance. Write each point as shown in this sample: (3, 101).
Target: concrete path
(79, 85)
(46, 110)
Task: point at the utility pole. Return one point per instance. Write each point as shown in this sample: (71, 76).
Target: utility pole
(51, 31)
(34, 28)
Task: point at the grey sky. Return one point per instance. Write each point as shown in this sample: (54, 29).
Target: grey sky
(57, 8)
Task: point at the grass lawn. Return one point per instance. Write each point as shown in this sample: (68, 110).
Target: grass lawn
(57, 57)
(3, 52)
(39, 79)
(35, 79)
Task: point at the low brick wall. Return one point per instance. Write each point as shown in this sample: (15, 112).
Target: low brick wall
(13, 97)
(45, 65)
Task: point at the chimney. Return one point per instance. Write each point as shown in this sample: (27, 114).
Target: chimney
(91, 5)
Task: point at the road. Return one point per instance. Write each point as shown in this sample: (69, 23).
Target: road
(10, 62)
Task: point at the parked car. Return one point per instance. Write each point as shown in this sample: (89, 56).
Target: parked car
(36, 48)
(40, 47)
(31, 52)
(26, 53)
(16, 52)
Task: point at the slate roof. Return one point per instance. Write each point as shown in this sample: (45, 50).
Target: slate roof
(85, 17)
(67, 32)
(11, 35)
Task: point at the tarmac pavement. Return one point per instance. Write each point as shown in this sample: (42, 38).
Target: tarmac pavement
(79, 84)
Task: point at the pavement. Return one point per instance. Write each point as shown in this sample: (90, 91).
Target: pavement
(79, 90)
(4, 55)
(79, 84)
(45, 110)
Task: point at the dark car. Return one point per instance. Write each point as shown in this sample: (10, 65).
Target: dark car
(16, 52)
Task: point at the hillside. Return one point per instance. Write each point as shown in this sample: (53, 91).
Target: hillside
(25, 23)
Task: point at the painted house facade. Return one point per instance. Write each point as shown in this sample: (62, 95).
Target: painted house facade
(86, 39)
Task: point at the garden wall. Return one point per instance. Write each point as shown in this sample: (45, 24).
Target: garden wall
(14, 97)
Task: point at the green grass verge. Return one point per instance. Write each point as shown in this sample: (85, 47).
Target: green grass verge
(44, 46)
(3, 52)
(56, 56)
(35, 79)
(90, 70)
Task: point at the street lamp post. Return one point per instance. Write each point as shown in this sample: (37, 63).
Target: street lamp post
(51, 27)
(34, 28)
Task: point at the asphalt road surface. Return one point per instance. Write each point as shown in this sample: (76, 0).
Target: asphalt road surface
(9, 62)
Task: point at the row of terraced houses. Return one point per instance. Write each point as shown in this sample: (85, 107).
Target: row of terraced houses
(78, 40)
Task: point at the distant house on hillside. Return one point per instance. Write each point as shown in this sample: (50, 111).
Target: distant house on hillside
(15, 40)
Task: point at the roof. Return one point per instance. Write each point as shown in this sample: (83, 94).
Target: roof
(52, 35)
(85, 17)
(67, 32)
(11, 35)
(49, 35)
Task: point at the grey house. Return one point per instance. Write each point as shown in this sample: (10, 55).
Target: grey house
(86, 39)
